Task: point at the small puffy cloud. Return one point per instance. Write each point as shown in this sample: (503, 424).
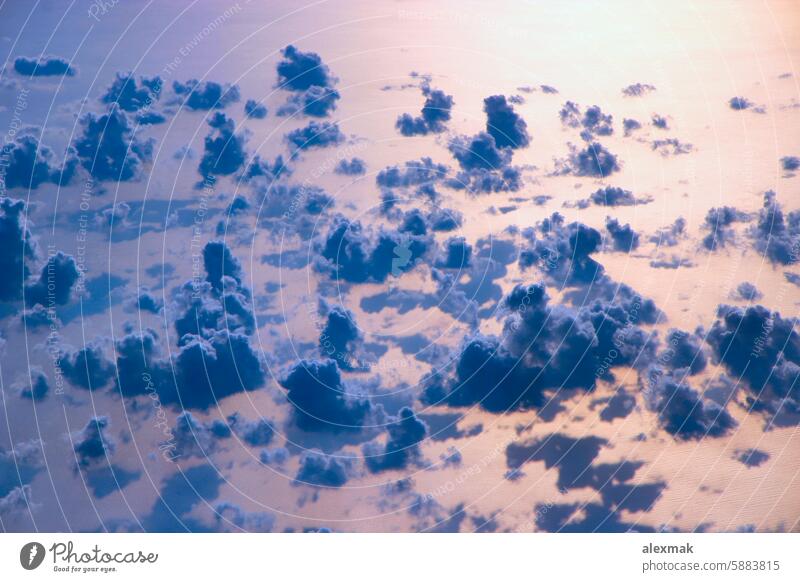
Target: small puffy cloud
(623, 237)
(35, 386)
(224, 149)
(790, 163)
(746, 291)
(456, 254)
(671, 235)
(352, 167)
(315, 135)
(91, 445)
(55, 283)
(45, 66)
(434, 115)
(132, 96)
(630, 125)
(87, 368)
(206, 95)
(659, 121)
(671, 147)
(412, 173)
(593, 161)
(298, 71)
(718, 222)
(638, 89)
(321, 470)
(739, 103)
(593, 122)
(315, 101)
(405, 434)
(255, 110)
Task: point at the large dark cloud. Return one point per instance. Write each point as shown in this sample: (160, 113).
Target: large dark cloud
(762, 348)
(775, 235)
(321, 400)
(402, 445)
(132, 96)
(206, 95)
(224, 149)
(109, 149)
(434, 115)
(26, 163)
(45, 66)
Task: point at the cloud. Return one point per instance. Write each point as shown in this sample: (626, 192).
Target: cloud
(320, 399)
(340, 338)
(456, 254)
(109, 149)
(129, 95)
(352, 167)
(638, 89)
(682, 412)
(718, 221)
(18, 248)
(35, 387)
(774, 235)
(739, 103)
(790, 163)
(195, 438)
(762, 348)
(671, 235)
(179, 495)
(255, 110)
(321, 470)
(315, 101)
(593, 121)
(563, 252)
(623, 237)
(315, 135)
(55, 283)
(630, 125)
(485, 167)
(612, 196)
(87, 368)
(594, 161)
(434, 115)
(746, 291)
(659, 121)
(356, 256)
(412, 173)
(256, 433)
(445, 219)
(507, 128)
(29, 164)
(91, 445)
(298, 71)
(405, 434)
(674, 262)
(751, 457)
(253, 522)
(45, 66)
(206, 95)
(224, 149)
(671, 147)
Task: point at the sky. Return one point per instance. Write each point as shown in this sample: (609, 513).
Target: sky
(399, 266)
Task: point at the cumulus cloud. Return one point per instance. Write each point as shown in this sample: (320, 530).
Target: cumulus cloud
(206, 95)
(613, 196)
(507, 128)
(45, 66)
(593, 122)
(352, 167)
(35, 386)
(411, 173)
(321, 470)
(299, 70)
(671, 235)
(718, 222)
(623, 237)
(28, 164)
(402, 445)
(255, 110)
(630, 125)
(739, 103)
(132, 96)
(92, 446)
(775, 235)
(762, 348)
(87, 368)
(671, 147)
(638, 89)
(55, 283)
(485, 168)
(224, 149)
(594, 161)
(320, 400)
(746, 291)
(315, 135)
(434, 115)
(109, 149)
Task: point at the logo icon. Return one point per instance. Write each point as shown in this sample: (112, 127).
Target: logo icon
(402, 256)
(31, 555)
